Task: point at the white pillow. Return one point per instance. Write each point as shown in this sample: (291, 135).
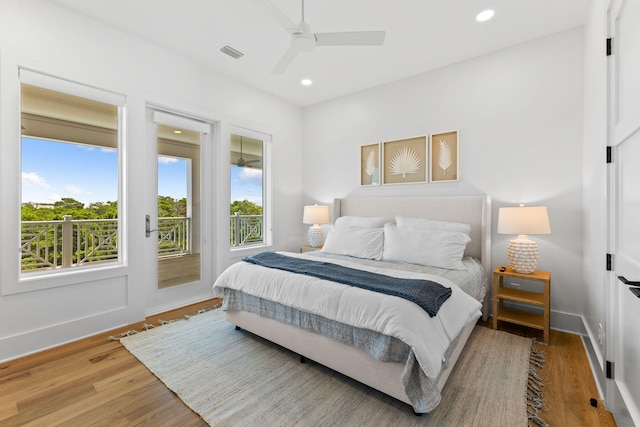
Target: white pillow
(357, 242)
(361, 221)
(432, 224)
(433, 248)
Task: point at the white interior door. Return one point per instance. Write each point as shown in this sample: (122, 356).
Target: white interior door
(624, 119)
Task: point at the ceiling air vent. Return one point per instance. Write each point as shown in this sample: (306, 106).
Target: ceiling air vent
(234, 53)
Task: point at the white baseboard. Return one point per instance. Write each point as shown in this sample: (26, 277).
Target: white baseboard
(35, 341)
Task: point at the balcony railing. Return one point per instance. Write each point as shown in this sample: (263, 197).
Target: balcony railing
(174, 236)
(70, 243)
(246, 230)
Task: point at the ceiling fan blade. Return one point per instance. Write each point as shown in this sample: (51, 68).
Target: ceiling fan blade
(285, 61)
(353, 38)
(276, 14)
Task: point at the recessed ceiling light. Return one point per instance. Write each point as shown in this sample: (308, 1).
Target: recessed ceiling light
(485, 15)
(306, 82)
(177, 131)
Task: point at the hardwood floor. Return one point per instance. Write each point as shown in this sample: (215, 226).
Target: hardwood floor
(95, 381)
(568, 380)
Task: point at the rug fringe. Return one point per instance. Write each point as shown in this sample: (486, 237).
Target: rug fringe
(535, 401)
(147, 326)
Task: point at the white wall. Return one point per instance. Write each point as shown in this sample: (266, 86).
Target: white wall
(47, 38)
(519, 114)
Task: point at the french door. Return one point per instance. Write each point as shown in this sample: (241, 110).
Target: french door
(178, 242)
(624, 196)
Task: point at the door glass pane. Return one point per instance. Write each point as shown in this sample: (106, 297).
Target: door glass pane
(246, 191)
(178, 206)
(69, 164)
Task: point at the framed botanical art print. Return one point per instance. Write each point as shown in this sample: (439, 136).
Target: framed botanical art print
(444, 152)
(405, 160)
(370, 164)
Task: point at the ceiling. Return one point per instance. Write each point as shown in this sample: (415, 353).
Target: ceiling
(421, 35)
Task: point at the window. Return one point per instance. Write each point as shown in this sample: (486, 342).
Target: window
(70, 181)
(247, 220)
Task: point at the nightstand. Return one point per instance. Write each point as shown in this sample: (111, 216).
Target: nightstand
(520, 317)
(309, 248)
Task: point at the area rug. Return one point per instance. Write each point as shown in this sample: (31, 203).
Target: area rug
(233, 378)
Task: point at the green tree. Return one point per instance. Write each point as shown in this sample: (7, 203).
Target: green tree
(245, 207)
(31, 213)
(69, 206)
(104, 210)
(167, 207)
(181, 207)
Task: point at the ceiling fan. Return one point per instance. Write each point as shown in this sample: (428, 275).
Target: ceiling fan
(304, 40)
(241, 161)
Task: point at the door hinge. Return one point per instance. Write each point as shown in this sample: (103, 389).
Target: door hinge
(609, 47)
(609, 154)
(609, 262)
(609, 370)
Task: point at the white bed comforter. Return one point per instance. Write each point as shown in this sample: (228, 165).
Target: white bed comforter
(429, 337)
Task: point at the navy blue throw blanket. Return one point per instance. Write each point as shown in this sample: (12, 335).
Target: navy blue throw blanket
(427, 294)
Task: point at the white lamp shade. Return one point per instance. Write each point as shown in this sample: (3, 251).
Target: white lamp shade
(316, 215)
(522, 252)
(523, 220)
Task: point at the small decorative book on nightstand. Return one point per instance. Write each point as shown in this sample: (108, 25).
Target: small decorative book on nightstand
(309, 248)
(520, 317)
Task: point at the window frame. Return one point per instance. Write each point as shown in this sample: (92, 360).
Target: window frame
(19, 282)
(267, 194)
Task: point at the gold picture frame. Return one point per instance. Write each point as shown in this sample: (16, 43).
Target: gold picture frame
(370, 164)
(444, 152)
(405, 161)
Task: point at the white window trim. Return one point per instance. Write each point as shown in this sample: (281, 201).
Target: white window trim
(15, 282)
(267, 193)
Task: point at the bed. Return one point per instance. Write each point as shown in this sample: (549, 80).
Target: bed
(397, 348)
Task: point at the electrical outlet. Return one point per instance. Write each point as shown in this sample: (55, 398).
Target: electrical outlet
(601, 335)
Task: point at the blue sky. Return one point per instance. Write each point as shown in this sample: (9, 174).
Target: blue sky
(53, 170)
(246, 183)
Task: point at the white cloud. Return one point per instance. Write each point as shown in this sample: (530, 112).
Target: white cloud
(74, 189)
(32, 178)
(250, 176)
(166, 160)
(54, 197)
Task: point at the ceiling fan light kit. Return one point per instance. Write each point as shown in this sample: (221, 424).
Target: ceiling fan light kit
(304, 40)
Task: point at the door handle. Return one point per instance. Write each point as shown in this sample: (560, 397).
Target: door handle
(147, 226)
(628, 282)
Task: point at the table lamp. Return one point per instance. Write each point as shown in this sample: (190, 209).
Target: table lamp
(522, 252)
(316, 215)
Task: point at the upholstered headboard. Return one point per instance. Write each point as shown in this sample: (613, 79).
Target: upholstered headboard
(472, 210)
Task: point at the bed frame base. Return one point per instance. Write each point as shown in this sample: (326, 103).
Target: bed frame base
(343, 358)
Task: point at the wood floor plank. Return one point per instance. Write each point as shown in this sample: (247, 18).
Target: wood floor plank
(97, 382)
(63, 370)
(568, 380)
(122, 390)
